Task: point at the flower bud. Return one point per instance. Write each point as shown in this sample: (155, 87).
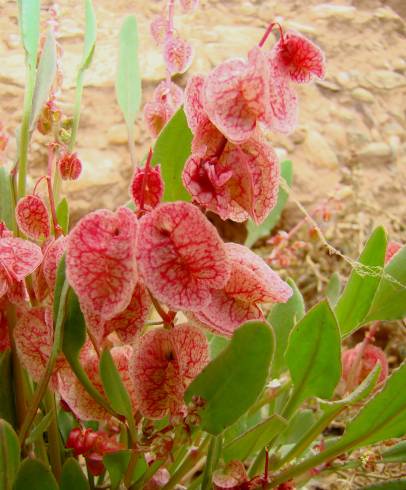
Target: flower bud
(69, 166)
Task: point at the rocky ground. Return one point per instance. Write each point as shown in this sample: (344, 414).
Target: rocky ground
(351, 142)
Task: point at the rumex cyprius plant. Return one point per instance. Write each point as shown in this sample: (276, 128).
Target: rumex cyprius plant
(139, 348)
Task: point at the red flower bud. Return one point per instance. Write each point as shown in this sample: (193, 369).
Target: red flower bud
(70, 166)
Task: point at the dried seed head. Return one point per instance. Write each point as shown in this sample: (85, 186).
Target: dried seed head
(70, 167)
(32, 217)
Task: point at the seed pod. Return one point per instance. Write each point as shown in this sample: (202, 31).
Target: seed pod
(32, 217)
(70, 167)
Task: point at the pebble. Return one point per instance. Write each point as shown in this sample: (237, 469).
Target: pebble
(375, 153)
(319, 152)
(117, 134)
(384, 79)
(328, 10)
(362, 95)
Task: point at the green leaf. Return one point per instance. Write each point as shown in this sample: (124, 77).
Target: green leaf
(113, 385)
(383, 417)
(40, 428)
(333, 289)
(390, 299)
(62, 215)
(388, 485)
(212, 459)
(356, 300)
(66, 422)
(300, 423)
(216, 344)
(254, 440)
(282, 317)
(232, 382)
(29, 16)
(117, 464)
(60, 281)
(172, 150)
(313, 355)
(9, 455)
(6, 200)
(45, 78)
(255, 232)
(395, 454)
(34, 475)
(90, 36)
(128, 80)
(72, 476)
(7, 409)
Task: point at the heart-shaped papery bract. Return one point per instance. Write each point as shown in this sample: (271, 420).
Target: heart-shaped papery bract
(100, 261)
(19, 257)
(180, 255)
(32, 217)
(251, 283)
(163, 365)
(75, 395)
(33, 335)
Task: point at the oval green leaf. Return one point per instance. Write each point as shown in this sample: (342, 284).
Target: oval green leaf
(90, 36)
(255, 232)
(357, 297)
(232, 382)
(252, 441)
(62, 215)
(9, 455)
(333, 289)
(29, 17)
(283, 317)
(6, 200)
(113, 385)
(390, 299)
(172, 150)
(72, 476)
(34, 475)
(45, 78)
(313, 355)
(128, 80)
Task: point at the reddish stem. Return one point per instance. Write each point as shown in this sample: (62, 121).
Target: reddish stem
(266, 465)
(144, 179)
(37, 184)
(268, 32)
(51, 155)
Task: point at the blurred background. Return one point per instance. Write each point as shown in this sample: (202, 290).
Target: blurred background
(350, 145)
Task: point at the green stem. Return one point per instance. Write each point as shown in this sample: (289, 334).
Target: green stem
(131, 144)
(148, 475)
(25, 132)
(130, 468)
(54, 440)
(188, 463)
(213, 456)
(76, 110)
(43, 383)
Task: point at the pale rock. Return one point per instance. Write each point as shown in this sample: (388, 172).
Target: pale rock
(395, 144)
(344, 114)
(384, 79)
(346, 80)
(328, 85)
(281, 153)
(299, 135)
(375, 153)
(362, 95)
(357, 139)
(336, 132)
(319, 152)
(299, 27)
(117, 134)
(247, 8)
(99, 169)
(399, 64)
(328, 10)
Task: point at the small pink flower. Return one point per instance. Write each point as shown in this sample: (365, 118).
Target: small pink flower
(300, 58)
(168, 93)
(391, 250)
(163, 365)
(32, 217)
(100, 260)
(156, 115)
(70, 167)
(178, 54)
(159, 29)
(180, 255)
